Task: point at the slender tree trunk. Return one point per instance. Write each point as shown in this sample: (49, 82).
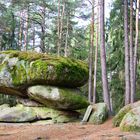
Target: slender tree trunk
(136, 45)
(103, 58)
(43, 30)
(66, 41)
(20, 32)
(90, 86)
(13, 31)
(26, 30)
(131, 53)
(127, 72)
(96, 55)
(33, 37)
(61, 27)
(58, 29)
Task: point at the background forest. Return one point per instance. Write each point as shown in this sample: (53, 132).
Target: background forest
(63, 28)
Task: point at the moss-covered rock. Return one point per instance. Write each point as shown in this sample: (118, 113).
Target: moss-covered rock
(131, 121)
(57, 116)
(59, 98)
(21, 113)
(17, 114)
(99, 113)
(18, 70)
(118, 118)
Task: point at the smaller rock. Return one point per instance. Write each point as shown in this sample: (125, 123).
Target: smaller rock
(18, 113)
(28, 102)
(57, 116)
(58, 97)
(131, 121)
(99, 113)
(118, 118)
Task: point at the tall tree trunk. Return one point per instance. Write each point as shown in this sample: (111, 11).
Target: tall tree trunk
(131, 54)
(13, 32)
(90, 86)
(96, 55)
(127, 72)
(58, 29)
(43, 30)
(26, 30)
(20, 32)
(66, 41)
(136, 44)
(103, 58)
(33, 37)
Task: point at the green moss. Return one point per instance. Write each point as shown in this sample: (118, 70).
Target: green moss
(99, 113)
(76, 70)
(19, 75)
(33, 67)
(129, 123)
(118, 118)
(77, 101)
(38, 70)
(2, 66)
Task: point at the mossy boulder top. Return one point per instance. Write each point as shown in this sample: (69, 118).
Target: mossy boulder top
(21, 69)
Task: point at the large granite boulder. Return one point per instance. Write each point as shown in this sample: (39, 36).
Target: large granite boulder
(99, 113)
(118, 118)
(59, 98)
(131, 121)
(21, 113)
(18, 70)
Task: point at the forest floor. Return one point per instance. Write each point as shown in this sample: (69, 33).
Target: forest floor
(69, 131)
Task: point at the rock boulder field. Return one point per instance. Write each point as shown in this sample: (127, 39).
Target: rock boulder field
(46, 86)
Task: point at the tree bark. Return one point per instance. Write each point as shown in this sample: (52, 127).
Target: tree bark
(66, 40)
(103, 58)
(58, 29)
(127, 72)
(96, 55)
(131, 54)
(33, 37)
(13, 32)
(20, 32)
(136, 45)
(90, 86)
(43, 30)
(26, 30)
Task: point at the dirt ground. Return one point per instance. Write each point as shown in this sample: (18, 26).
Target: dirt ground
(69, 131)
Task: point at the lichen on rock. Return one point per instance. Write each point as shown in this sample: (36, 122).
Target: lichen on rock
(99, 113)
(118, 118)
(131, 121)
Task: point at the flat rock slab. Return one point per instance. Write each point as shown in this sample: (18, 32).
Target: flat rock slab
(20, 113)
